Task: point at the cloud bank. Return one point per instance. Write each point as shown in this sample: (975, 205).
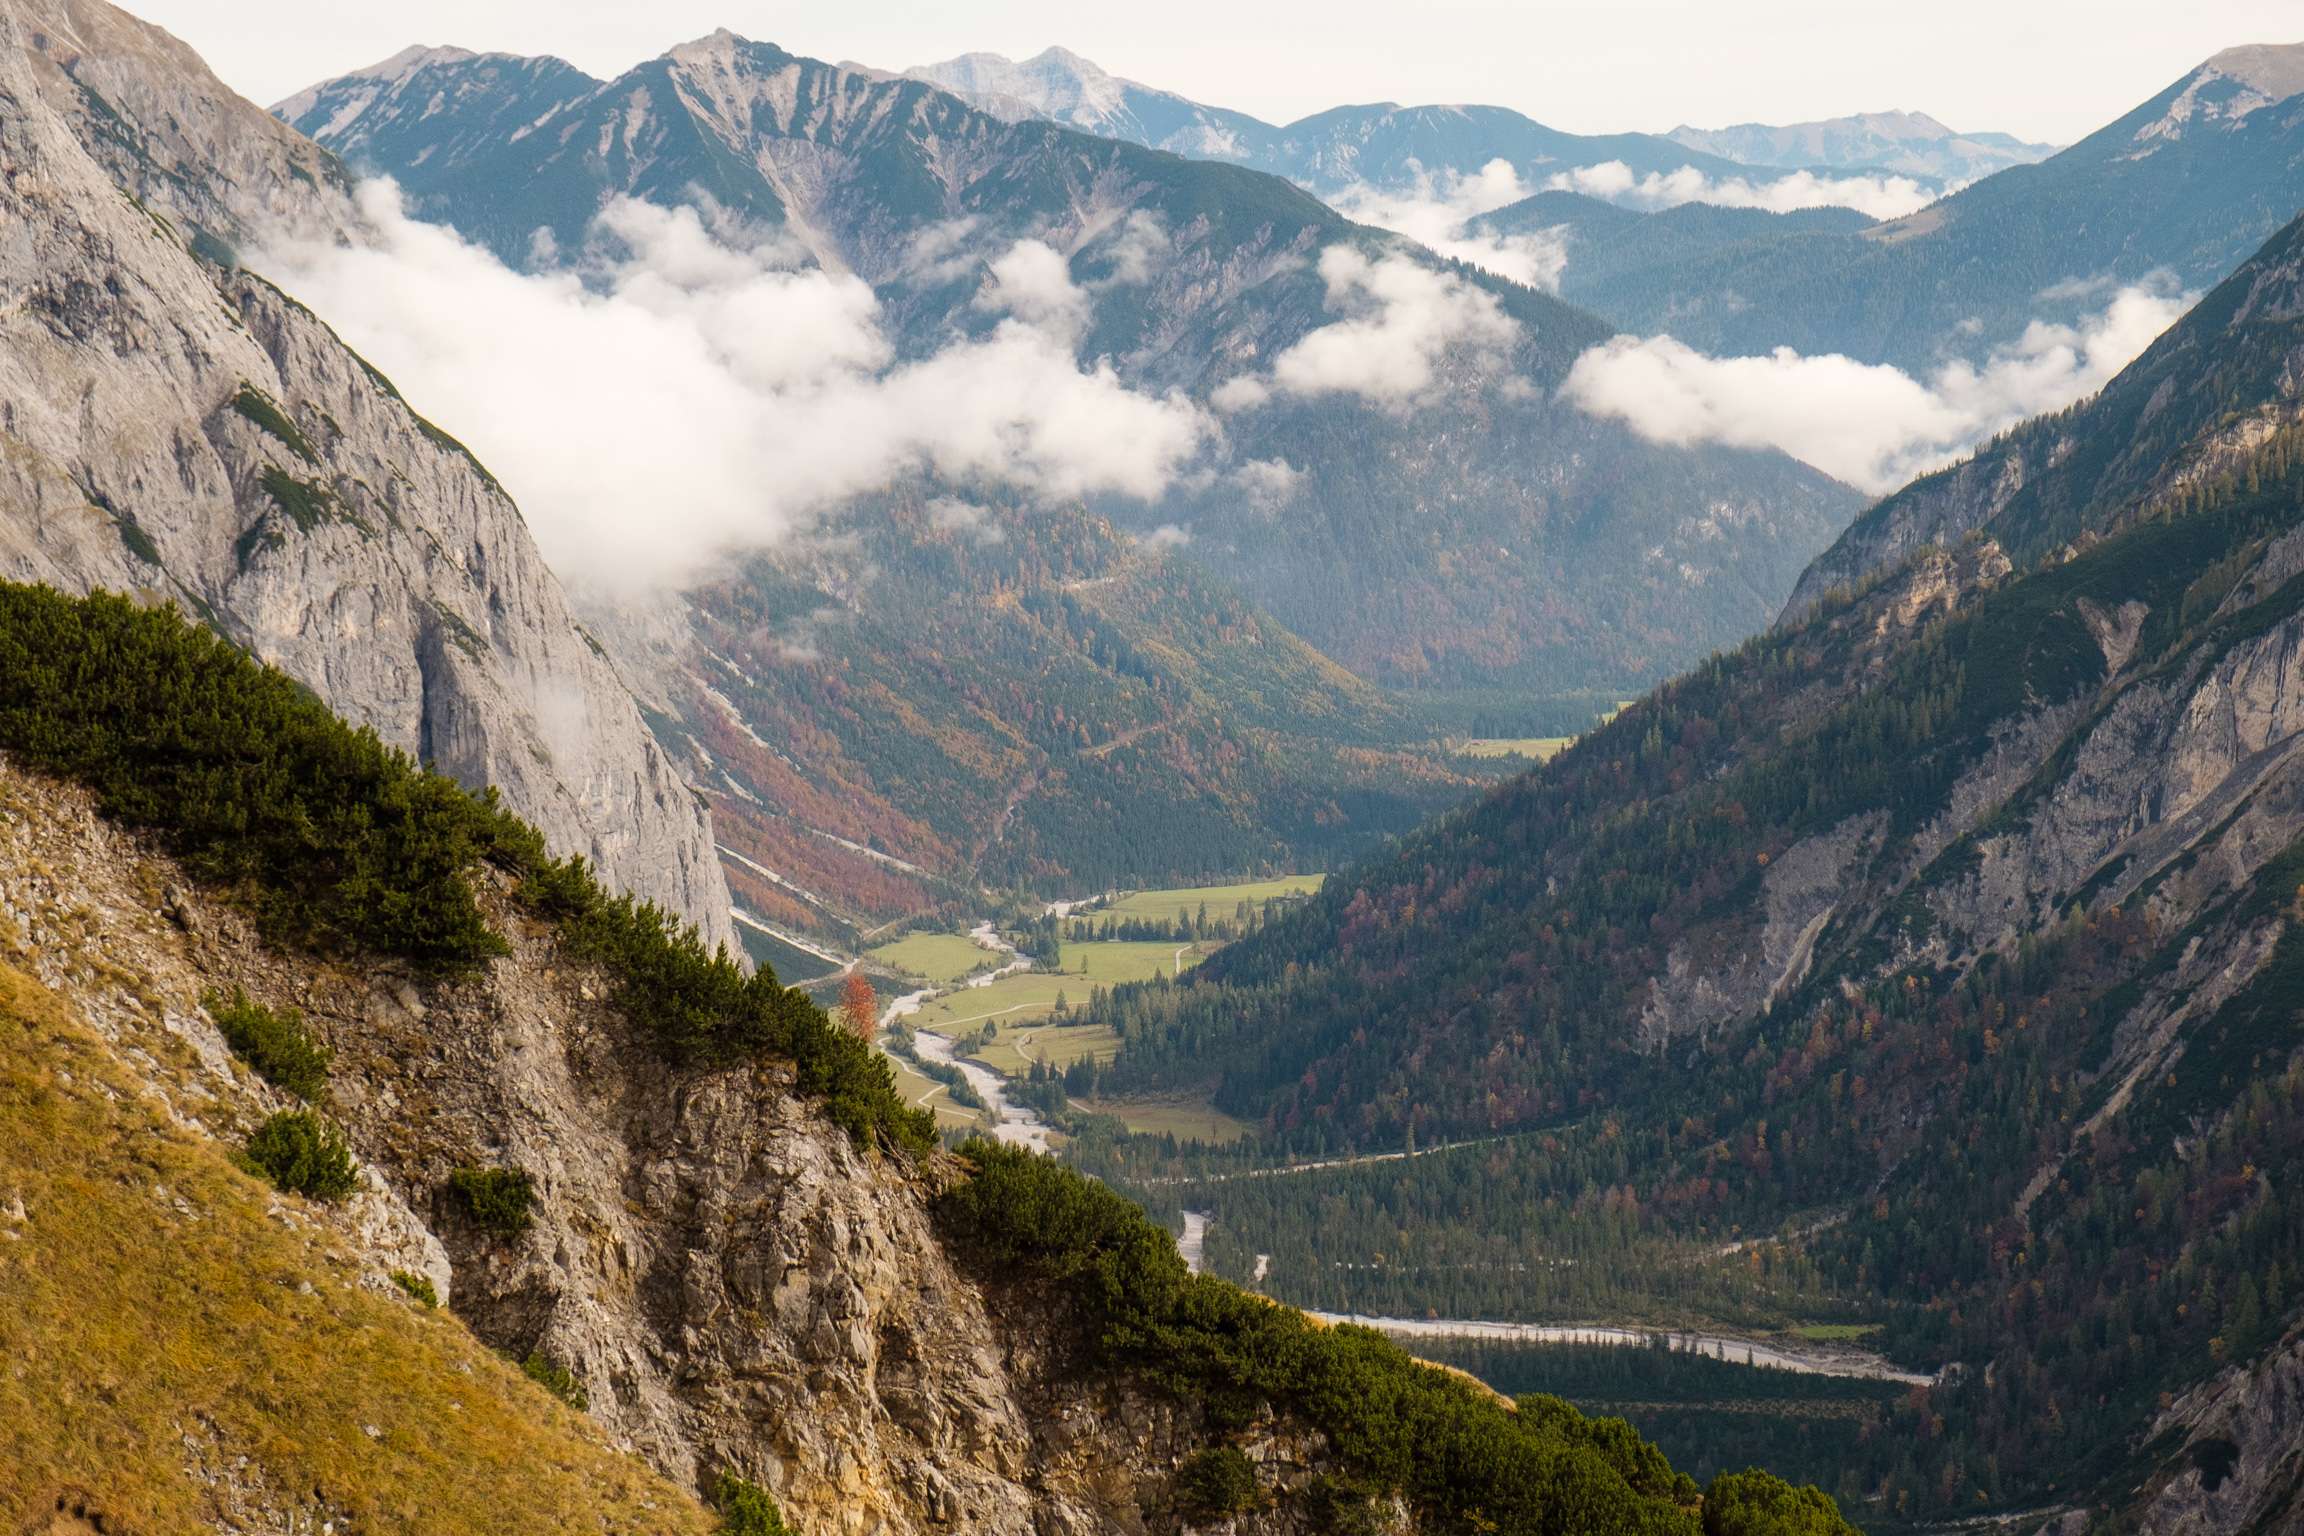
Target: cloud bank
(1868, 424)
(1435, 210)
(697, 396)
(1883, 197)
(1402, 321)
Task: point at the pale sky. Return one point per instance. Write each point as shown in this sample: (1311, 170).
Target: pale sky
(2044, 69)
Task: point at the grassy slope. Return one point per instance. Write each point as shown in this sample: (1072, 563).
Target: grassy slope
(129, 1321)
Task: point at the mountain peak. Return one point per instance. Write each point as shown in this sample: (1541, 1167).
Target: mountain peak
(2276, 70)
(1054, 83)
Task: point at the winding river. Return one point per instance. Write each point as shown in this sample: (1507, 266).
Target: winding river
(1013, 1123)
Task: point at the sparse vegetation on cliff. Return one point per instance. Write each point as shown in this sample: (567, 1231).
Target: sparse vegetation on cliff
(340, 843)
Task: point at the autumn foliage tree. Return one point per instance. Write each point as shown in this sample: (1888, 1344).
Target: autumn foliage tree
(859, 1005)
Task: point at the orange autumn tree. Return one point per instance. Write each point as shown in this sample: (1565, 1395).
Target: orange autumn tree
(859, 1005)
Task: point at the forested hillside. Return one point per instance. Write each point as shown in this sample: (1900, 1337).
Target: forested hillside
(1945, 936)
(1029, 700)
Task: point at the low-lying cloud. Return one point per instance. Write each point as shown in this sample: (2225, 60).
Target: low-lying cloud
(691, 395)
(1868, 424)
(1402, 320)
(1435, 211)
(1882, 197)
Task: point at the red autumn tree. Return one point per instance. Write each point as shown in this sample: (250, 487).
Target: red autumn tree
(859, 1005)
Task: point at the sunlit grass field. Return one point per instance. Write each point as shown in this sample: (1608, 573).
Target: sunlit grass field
(1537, 749)
(942, 958)
(1031, 995)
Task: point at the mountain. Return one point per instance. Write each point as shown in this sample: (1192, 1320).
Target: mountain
(1607, 248)
(1384, 145)
(1898, 143)
(1062, 87)
(1466, 536)
(182, 430)
(1931, 960)
(2178, 191)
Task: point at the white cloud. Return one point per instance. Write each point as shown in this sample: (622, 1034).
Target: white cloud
(1883, 197)
(941, 253)
(1269, 484)
(1033, 282)
(1401, 320)
(1871, 425)
(1435, 210)
(694, 397)
(1243, 392)
(952, 515)
(1167, 536)
(1137, 248)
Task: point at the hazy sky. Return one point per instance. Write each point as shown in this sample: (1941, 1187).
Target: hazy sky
(2045, 69)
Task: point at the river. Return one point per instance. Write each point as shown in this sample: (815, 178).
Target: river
(1809, 1360)
(1013, 1123)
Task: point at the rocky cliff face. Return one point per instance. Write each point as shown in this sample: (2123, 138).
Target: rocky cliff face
(183, 430)
(731, 1281)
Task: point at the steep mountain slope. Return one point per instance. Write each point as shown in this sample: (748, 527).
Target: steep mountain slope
(1383, 145)
(1947, 933)
(133, 1238)
(184, 431)
(2200, 401)
(1028, 699)
(147, 110)
(1903, 143)
(2187, 184)
(685, 1199)
(1608, 248)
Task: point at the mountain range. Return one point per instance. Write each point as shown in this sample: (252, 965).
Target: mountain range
(1386, 145)
(1523, 547)
(2177, 191)
(1898, 143)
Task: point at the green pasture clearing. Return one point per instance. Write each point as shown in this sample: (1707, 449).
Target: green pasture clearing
(1031, 995)
(942, 958)
(926, 1091)
(1538, 749)
(1184, 1119)
(1834, 1333)
(1220, 900)
(1059, 1045)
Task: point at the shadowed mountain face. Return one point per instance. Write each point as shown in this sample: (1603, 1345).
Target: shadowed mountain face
(2179, 190)
(1472, 533)
(1922, 933)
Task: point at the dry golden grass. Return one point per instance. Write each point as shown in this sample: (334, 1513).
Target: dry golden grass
(155, 1313)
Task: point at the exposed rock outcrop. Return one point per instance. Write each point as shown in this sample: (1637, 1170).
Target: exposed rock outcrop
(732, 1282)
(182, 430)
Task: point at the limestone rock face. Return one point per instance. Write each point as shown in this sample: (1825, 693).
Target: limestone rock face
(183, 431)
(733, 1283)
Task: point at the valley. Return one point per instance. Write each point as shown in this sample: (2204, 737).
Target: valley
(760, 793)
